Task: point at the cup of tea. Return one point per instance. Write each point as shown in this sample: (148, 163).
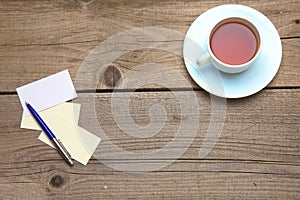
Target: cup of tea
(233, 45)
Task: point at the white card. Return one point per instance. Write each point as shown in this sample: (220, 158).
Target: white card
(47, 92)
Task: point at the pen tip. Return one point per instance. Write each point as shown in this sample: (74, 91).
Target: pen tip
(26, 102)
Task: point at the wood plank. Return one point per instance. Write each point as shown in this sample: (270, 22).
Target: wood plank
(256, 154)
(51, 22)
(100, 183)
(261, 127)
(59, 35)
(22, 65)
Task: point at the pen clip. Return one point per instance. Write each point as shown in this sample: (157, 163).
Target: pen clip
(62, 146)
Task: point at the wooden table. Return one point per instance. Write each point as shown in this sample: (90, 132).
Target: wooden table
(257, 154)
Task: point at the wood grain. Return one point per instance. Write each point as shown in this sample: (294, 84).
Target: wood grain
(22, 65)
(257, 155)
(52, 22)
(45, 37)
(257, 152)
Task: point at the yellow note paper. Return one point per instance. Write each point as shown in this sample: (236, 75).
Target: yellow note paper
(69, 111)
(80, 143)
(62, 120)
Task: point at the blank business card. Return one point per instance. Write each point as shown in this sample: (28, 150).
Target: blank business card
(47, 92)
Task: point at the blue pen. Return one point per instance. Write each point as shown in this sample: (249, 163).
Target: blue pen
(60, 147)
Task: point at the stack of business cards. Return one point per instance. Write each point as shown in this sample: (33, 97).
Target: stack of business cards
(48, 96)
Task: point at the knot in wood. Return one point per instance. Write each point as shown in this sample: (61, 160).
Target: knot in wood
(111, 76)
(56, 181)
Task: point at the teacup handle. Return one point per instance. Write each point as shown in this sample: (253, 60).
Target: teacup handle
(203, 59)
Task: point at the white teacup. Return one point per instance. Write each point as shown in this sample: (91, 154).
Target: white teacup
(233, 45)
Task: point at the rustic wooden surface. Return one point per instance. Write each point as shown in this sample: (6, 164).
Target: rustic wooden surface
(256, 156)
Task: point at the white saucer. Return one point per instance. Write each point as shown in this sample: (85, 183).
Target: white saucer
(258, 76)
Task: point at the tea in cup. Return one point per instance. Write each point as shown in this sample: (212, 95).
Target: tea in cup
(233, 45)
